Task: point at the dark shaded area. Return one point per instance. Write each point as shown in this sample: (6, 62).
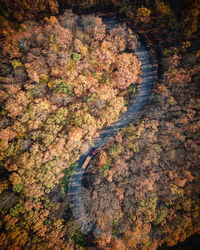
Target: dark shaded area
(191, 243)
(4, 173)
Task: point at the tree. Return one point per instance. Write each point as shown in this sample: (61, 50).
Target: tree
(143, 15)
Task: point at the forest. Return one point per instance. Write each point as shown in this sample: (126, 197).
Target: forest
(65, 77)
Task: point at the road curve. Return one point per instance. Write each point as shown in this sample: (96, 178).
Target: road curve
(83, 219)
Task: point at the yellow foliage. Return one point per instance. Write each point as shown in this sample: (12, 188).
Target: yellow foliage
(54, 47)
(51, 84)
(103, 158)
(38, 225)
(84, 50)
(15, 179)
(58, 223)
(143, 12)
(51, 20)
(17, 64)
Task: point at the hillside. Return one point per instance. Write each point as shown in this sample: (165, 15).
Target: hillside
(64, 78)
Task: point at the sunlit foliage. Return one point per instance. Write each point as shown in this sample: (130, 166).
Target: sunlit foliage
(65, 87)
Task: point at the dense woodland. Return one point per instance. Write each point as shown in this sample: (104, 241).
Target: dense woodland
(64, 77)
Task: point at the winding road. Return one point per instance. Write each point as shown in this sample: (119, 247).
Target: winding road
(80, 215)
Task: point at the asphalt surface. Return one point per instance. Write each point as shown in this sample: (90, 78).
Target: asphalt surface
(80, 215)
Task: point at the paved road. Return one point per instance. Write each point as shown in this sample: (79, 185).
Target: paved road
(76, 200)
